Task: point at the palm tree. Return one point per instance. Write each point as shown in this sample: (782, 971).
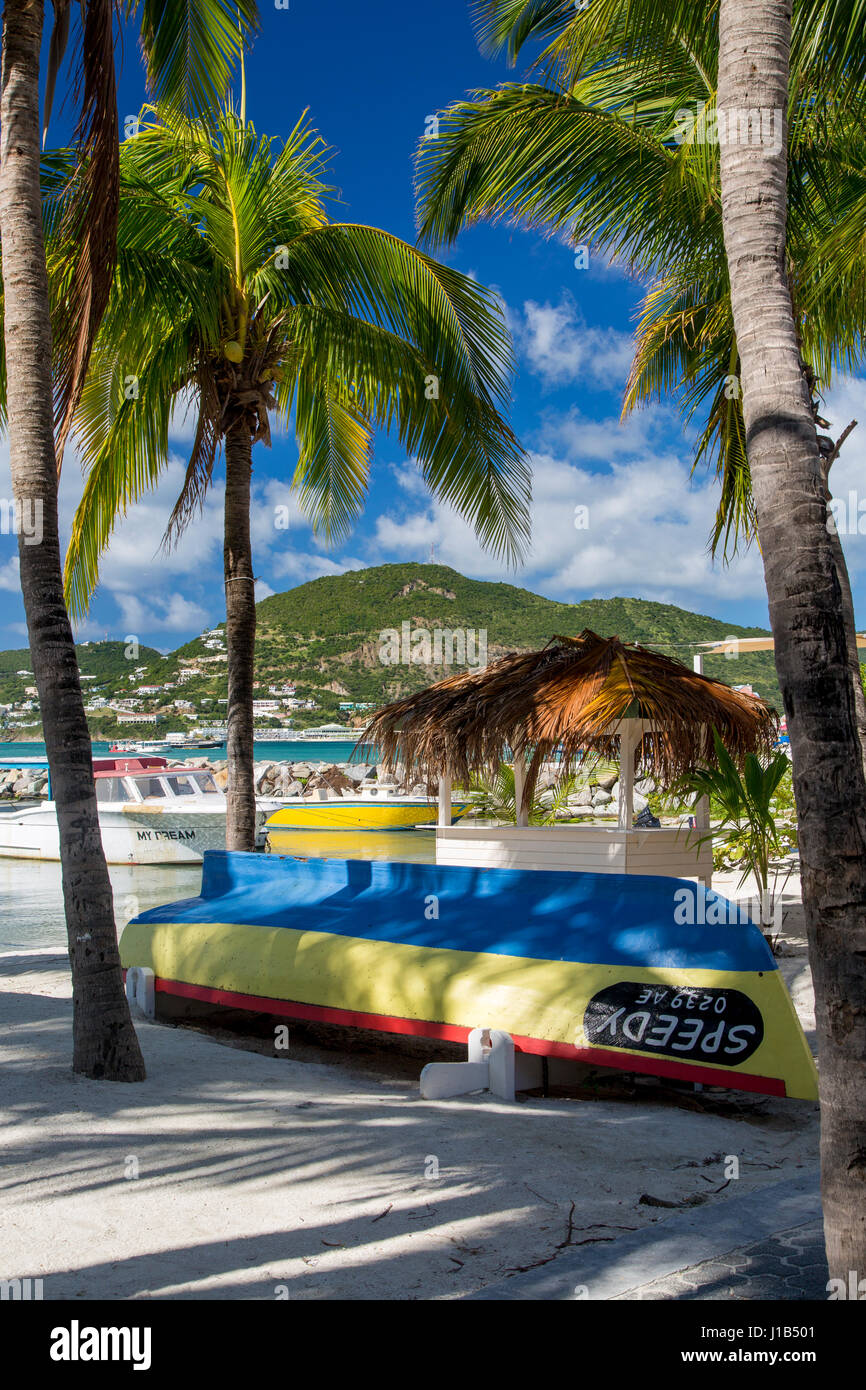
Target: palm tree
(189, 51)
(617, 157)
(804, 595)
(747, 829)
(235, 293)
(494, 797)
(765, 64)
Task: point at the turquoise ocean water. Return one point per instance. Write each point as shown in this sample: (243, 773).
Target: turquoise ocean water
(31, 895)
(294, 752)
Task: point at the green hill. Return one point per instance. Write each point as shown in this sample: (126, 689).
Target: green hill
(328, 631)
(325, 637)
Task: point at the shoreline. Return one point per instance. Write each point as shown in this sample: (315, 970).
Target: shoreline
(315, 1172)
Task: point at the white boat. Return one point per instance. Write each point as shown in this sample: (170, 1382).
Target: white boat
(328, 733)
(149, 813)
(132, 749)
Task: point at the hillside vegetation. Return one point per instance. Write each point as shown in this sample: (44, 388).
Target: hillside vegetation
(325, 637)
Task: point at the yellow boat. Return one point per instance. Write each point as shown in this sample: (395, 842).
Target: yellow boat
(368, 810)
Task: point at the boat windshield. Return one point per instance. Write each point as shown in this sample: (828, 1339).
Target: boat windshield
(150, 788)
(205, 781)
(112, 789)
(190, 783)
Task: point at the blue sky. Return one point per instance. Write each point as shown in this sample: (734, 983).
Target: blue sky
(370, 74)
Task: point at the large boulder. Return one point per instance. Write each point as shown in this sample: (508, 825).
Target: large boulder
(294, 788)
(303, 770)
(638, 799)
(581, 796)
(605, 780)
(336, 780)
(602, 798)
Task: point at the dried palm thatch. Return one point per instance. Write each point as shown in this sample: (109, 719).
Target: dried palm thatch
(570, 696)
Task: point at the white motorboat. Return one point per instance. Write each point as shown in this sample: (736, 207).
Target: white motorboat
(149, 813)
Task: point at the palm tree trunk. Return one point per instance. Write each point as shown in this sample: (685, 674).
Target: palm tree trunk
(240, 638)
(805, 606)
(851, 642)
(850, 625)
(104, 1041)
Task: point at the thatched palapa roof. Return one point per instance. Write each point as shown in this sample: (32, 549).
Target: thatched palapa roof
(571, 696)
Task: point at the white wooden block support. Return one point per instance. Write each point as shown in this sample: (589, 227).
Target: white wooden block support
(445, 810)
(521, 816)
(490, 1067)
(141, 989)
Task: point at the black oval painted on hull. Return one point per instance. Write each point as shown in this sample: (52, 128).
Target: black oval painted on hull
(723, 1026)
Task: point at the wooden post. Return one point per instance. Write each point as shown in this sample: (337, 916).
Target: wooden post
(520, 816)
(444, 801)
(702, 807)
(627, 743)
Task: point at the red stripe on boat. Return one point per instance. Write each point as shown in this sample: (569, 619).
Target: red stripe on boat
(449, 1032)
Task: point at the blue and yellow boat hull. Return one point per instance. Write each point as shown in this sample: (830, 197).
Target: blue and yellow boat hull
(597, 968)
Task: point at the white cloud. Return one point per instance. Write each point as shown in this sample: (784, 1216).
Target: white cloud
(9, 576)
(560, 347)
(647, 530)
(300, 566)
(172, 614)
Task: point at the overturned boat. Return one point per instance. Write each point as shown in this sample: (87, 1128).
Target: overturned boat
(604, 969)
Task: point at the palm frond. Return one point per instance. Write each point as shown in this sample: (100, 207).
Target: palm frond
(91, 220)
(191, 47)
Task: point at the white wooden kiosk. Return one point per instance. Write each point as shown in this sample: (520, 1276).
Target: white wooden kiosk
(672, 851)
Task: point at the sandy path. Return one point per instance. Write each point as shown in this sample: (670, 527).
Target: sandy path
(259, 1177)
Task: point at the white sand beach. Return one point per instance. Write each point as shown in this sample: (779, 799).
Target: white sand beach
(322, 1174)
